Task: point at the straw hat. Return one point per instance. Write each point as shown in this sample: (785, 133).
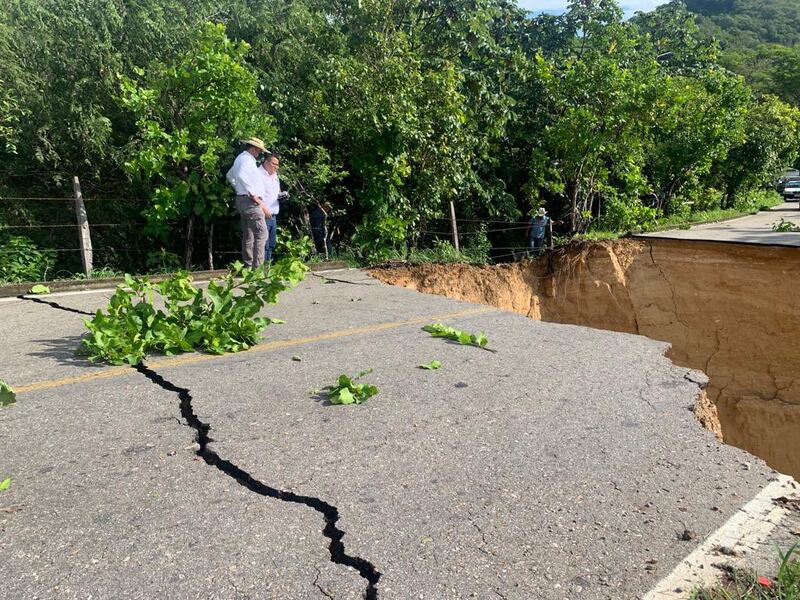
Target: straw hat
(541, 212)
(255, 142)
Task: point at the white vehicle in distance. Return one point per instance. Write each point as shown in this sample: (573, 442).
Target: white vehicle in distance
(790, 189)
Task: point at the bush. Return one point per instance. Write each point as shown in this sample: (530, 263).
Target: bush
(755, 200)
(706, 199)
(627, 214)
(478, 246)
(163, 261)
(21, 260)
(444, 252)
(680, 209)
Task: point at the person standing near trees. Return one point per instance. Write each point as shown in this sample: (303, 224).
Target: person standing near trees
(318, 215)
(246, 179)
(272, 198)
(537, 228)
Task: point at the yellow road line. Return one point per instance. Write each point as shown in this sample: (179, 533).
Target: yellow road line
(197, 358)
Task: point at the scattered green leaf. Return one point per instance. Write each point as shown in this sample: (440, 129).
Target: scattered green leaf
(431, 366)
(7, 395)
(347, 391)
(40, 289)
(462, 337)
(5, 484)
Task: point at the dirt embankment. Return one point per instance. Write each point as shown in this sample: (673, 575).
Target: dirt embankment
(732, 311)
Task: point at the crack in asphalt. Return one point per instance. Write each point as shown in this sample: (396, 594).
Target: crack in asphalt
(330, 513)
(56, 305)
(331, 279)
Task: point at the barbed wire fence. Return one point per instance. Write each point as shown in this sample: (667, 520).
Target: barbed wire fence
(106, 234)
(99, 234)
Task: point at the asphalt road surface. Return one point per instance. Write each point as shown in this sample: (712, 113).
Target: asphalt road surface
(565, 465)
(752, 229)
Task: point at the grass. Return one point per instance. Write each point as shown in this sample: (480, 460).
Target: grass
(598, 235)
(742, 584)
(442, 253)
(345, 255)
(765, 202)
(705, 216)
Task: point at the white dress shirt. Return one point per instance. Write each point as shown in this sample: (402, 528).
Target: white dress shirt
(244, 176)
(272, 187)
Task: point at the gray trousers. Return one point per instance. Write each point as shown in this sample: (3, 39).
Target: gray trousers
(254, 231)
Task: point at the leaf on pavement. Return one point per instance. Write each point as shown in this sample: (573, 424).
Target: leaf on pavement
(7, 395)
(434, 364)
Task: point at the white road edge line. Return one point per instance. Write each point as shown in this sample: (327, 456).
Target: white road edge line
(112, 289)
(743, 532)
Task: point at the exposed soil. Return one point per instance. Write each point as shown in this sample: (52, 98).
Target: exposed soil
(729, 310)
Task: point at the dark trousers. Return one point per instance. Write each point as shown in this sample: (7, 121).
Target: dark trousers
(318, 230)
(537, 245)
(272, 239)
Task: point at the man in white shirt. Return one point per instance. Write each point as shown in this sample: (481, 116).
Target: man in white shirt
(246, 179)
(272, 196)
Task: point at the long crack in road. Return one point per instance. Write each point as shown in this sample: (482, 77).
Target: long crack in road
(329, 512)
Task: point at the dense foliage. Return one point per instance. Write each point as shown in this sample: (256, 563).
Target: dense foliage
(186, 115)
(750, 22)
(385, 110)
(760, 39)
(21, 260)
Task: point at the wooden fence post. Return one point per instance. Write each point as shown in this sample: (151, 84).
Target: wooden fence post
(454, 226)
(84, 237)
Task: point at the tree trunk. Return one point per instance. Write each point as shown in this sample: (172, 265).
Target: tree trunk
(307, 225)
(668, 196)
(211, 247)
(187, 258)
(573, 213)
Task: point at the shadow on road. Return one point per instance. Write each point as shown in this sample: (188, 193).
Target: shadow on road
(64, 351)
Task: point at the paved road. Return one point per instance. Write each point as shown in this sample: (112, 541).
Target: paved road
(563, 466)
(753, 229)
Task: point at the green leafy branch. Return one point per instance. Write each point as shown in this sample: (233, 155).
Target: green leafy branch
(784, 226)
(220, 319)
(462, 337)
(347, 391)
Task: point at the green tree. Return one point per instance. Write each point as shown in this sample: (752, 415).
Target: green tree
(772, 140)
(59, 59)
(696, 122)
(597, 96)
(409, 100)
(188, 113)
(671, 34)
(10, 113)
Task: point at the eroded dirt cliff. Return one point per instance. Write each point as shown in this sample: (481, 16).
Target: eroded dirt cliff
(732, 311)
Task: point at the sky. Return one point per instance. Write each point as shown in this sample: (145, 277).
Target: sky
(558, 6)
